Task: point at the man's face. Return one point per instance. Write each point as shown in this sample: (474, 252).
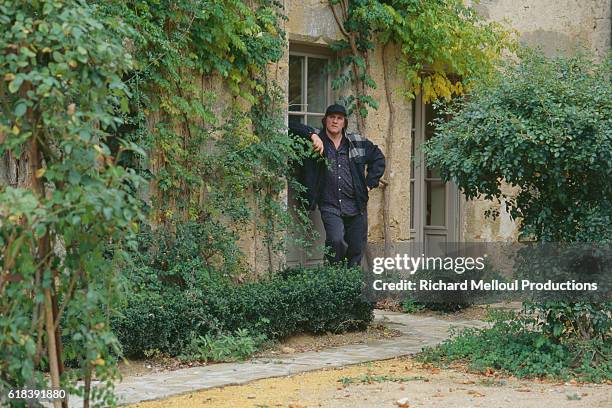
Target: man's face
(334, 123)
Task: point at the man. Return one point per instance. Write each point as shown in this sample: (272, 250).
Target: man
(339, 185)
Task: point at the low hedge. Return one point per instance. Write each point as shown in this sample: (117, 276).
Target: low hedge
(165, 317)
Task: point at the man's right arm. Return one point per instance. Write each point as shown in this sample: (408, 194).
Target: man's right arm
(308, 133)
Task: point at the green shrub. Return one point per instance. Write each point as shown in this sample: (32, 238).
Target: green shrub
(168, 317)
(542, 126)
(164, 320)
(515, 345)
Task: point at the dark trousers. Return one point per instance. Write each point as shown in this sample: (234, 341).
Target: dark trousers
(345, 237)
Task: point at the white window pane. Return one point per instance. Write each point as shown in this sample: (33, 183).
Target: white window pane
(296, 65)
(317, 84)
(436, 203)
(314, 121)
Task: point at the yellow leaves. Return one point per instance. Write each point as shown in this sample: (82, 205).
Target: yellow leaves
(429, 93)
(458, 88)
(236, 76)
(438, 85)
(244, 132)
(270, 29)
(9, 77)
(98, 362)
(442, 86)
(40, 172)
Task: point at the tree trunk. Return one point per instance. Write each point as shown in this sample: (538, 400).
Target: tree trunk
(44, 252)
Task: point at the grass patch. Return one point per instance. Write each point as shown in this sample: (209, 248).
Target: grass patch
(516, 345)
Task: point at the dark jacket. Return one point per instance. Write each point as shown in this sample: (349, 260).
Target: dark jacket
(366, 161)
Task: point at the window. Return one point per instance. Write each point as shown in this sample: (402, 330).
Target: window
(434, 186)
(308, 88)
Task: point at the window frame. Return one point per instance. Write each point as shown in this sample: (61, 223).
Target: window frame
(304, 84)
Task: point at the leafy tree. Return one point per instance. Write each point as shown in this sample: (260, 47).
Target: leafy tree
(62, 92)
(544, 126)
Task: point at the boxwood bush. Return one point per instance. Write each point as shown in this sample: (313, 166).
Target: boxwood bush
(161, 315)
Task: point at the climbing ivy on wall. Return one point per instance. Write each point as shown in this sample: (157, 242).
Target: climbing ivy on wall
(443, 45)
(87, 89)
(204, 106)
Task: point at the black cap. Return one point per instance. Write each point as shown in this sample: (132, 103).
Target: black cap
(335, 108)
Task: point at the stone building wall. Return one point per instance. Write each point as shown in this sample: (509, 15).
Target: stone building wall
(557, 26)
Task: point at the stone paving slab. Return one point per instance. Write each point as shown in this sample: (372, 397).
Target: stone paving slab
(417, 332)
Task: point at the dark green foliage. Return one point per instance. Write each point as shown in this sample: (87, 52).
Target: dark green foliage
(209, 242)
(513, 346)
(167, 317)
(545, 126)
(409, 305)
(564, 322)
(444, 300)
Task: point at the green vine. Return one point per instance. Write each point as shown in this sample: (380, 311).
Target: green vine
(87, 89)
(443, 46)
(218, 162)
